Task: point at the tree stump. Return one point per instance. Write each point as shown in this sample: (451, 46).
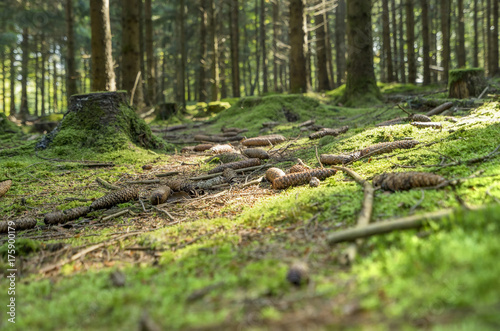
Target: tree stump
(102, 122)
(466, 83)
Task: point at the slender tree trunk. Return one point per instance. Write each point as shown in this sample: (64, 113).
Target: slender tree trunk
(361, 83)
(4, 95)
(340, 31)
(276, 31)
(202, 90)
(55, 103)
(215, 52)
(298, 74)
(24, 111)
(395, 39)
(43, 53)
(445, 30)
(387, 40)
(256, 83)
(142, 52)
(329, 54)
(475, 53)
(461, 35)
(150, 52)
(263, 44)
(103, 75)
(182, 43)
(70, 47)
(426, 42)
(37, 63)
(12, 60)
(307, 49)
(131, 50)
(235, 54)
(494, 39)
(410, 42)
(322, 68)
(402, 62)
(434, 42)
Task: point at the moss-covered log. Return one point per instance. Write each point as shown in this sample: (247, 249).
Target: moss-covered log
(102, 122)
(466, 83)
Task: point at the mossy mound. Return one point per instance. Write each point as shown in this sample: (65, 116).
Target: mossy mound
(7, 126)
(466, 83)
(102, 122)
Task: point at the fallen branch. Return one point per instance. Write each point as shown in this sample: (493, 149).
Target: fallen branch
(405, 223)
(106, 184)
(439, 109)
(118, 214)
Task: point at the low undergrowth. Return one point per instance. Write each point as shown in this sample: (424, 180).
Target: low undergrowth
(225, 267)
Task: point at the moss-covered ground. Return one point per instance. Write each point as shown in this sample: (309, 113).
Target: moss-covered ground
(219, 262)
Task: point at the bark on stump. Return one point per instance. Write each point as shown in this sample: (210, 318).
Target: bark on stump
(466, 83)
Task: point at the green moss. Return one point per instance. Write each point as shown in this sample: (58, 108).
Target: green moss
(458, 74)
(6, 126)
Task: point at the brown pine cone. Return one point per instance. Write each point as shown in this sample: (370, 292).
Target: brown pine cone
(220, 149)
(300, 178)
(160, 195)
(255, 153)
(236, 165)
(314, 182)
(264, 140)
(400, 181)
(209, 183)
(298, 274)
(63, 216)
(388, 147)
(116, 197)
(19, 224)
(297, 168)
(229, 175)
(202, 147)
(328, 132)
(337, 159)
(273, 173)
(5, 186)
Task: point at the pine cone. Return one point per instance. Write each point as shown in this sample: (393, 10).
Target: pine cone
(420, 118)
(202, 147)
(264, 140)
(388, 147)
(19, 224)
(255, 153)
(187, 149)
(160, 195)
(400, 181)
(63, 216)
(423, 125)
(116, 197)
(314, 182)
(236, 165)
(328, 132)
(300, 178)
(298, 274)
(337, 159)
(297, 168)
(5, 186)
(229, 175)
(219, 149)
(206, 184)
(273, 173)
(179, 184)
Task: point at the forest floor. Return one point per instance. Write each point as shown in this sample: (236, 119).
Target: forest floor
(219, 260)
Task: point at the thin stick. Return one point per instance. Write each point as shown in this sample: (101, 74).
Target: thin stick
(482, 93)
(106, 184)
(406, 111)
(135, 86)
(317, 157)
(118, 214)
(252, 182)
(163, 211)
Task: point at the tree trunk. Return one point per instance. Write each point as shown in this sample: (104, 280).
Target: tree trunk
(298, 81)
(43, 53)
(445, 30)
(24, 111)
(401, 45)
(256, 83)
(215, 52)
(340, 32)
(103, 75)
(395, 39)
(466, 83)
(475, 53)
(55, 103)
(4, 95)
(426, 42)
(12, 59)
(131, 50)
(361, 86)
(387, 40)
(276, 31)
(328, 43)
(307, 51)
(235, 54)
(151, 77)
(202, 90)
(322, 68)
(142, 52)
(461, 35)
(71, 76)
(182, 65)
(494, 39)
(410, 42)
(263, 44)
(37, 62)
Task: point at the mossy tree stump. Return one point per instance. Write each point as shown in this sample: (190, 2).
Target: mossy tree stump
(102, 122)
(466, 83)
